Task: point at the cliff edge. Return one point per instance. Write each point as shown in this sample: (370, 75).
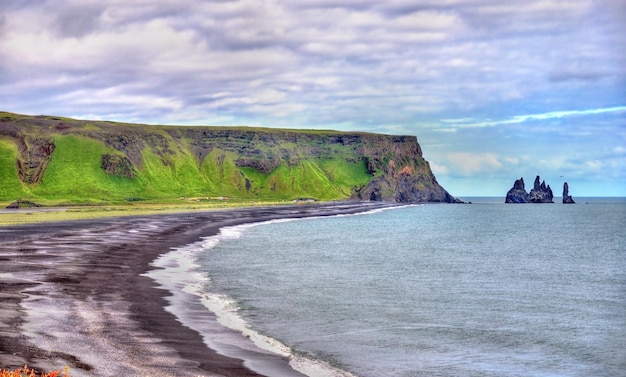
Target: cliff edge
(78, 161)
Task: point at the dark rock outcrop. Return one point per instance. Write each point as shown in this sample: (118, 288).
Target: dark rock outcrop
(23, 204)
(518, 193)
(405, 189)
(567, 198)
(540, 193)
(34, 155)
(117, 165)
(263, 164)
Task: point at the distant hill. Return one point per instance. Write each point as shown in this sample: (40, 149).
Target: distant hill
(69, 161)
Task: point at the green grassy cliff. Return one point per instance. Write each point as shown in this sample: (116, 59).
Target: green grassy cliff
(67, 161)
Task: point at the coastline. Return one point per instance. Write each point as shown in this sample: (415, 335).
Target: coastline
(75, 293)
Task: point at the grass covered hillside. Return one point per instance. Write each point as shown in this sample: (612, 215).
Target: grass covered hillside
(55, 160)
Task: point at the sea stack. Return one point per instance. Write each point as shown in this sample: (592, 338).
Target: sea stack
(567, 198)
(518, 193)
(539, 194)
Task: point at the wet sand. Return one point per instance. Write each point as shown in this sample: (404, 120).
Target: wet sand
(73, 294)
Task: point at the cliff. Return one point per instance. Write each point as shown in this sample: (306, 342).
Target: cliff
(77, 161)
(540, 193)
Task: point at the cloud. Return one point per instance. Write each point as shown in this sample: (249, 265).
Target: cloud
(480, 82)
(388, 61)
(619, 150)
(474, 123)
(572, 74)
(472, 163)
(79, 20)
(439, 169)
(3, 22)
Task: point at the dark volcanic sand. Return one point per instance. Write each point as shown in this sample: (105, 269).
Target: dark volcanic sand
(72, 293)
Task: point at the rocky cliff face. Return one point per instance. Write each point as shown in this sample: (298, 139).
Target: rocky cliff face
(157, 161)
(540, 193)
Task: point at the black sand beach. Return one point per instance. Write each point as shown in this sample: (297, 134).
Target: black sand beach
(72, 294)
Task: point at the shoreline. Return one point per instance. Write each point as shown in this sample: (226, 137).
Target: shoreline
(75, 293)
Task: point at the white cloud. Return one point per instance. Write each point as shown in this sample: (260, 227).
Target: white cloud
(619, 150)
(542, 7)
(439, 169)
(397, 66)
(475, 123)
(117, 97)
(430, 20)
(472, 163)
(397, 57)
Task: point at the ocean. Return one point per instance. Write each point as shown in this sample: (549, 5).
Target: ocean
(483, 289)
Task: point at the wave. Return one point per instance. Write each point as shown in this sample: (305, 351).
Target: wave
(179, 272)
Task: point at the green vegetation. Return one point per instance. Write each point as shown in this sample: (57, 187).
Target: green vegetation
(344, 173)
(38, 215)
(10, 184)
(170, 176)
(74, 174)
(63, 161)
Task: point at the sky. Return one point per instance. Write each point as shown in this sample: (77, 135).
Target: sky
(493, 90)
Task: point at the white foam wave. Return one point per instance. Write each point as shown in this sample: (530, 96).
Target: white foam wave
(179, 273)
(226, 310)
(235, 231)
(316, 368)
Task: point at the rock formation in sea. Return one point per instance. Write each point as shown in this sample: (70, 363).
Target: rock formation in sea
(540, 193)
(567, 198)
(518, 193)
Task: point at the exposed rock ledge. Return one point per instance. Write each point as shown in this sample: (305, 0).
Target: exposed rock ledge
(22, 204)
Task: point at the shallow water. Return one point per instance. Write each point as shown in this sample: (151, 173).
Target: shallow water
(486, 289)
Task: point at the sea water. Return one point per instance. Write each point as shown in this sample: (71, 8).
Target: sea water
(484, 289)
